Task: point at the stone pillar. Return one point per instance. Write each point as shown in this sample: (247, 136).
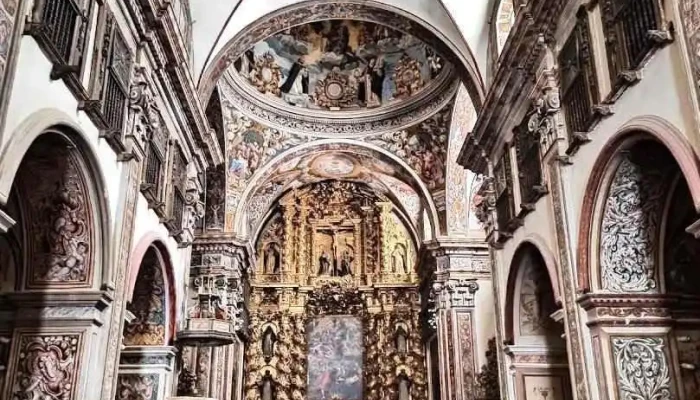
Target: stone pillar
(211, 362)
(462, 270)
(145, 372)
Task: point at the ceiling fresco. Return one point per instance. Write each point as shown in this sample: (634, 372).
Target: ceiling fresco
(329, 163)
(340, 65)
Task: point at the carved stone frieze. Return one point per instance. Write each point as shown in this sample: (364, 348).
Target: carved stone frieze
(47, 367)
(642, 368)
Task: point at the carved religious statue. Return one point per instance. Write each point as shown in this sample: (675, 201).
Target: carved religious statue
(266, 387)
(324, 262)
(272, 260)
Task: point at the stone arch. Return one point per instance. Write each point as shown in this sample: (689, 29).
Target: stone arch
(285, 17)
(264, 173)
(73, 252)
(610, 165)
(150, 291)
(529, 255)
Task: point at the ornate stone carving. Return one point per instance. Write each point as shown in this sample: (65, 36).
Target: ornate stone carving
(194, 206)
(334, 299)
(455, 293)
(46, 367)
(137, 387)
(216, 197)
(59, 216)
(265, 75)
(642, 368)
(629, 229)
(148, 305)
(408, 77)
(335, 91)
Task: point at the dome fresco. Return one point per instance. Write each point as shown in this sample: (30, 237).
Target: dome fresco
(340, 65)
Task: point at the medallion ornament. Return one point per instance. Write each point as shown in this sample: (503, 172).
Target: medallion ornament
(642, 368)
(47, 367)
(266, 75)
(408, 77)
(334, 91)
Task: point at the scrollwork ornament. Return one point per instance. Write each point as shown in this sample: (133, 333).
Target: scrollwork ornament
(629, 238)
(642, 368)
(46, 368)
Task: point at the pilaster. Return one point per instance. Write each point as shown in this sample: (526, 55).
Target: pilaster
(462, 268)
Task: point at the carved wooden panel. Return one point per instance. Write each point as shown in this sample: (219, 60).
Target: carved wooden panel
(137, 386)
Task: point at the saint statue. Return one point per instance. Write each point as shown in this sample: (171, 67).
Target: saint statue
(268, 344)
(399, 261)
(404, 387)
(345, 264)
(324, 262)
(266, 387)
(401, 342)
(272, 260)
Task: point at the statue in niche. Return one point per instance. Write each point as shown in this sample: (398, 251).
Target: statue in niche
(324, 262)
(401, 342)
(345, 264)
(267, 387)
(268, 344)
(272, 260)
(398, 258)
(404, 387)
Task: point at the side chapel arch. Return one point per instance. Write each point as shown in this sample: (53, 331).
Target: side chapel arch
(63, 219)
(645, 128)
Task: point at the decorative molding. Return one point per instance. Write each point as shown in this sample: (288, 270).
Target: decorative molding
(349, 126)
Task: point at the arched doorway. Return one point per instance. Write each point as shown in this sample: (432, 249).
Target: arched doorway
(53, 263)
(147, 357)
(535, 331)
(642, 274)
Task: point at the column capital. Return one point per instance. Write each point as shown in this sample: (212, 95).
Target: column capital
(461, 256)
(454, 293)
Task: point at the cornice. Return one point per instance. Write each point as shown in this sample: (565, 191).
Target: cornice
(322, 124)
(514, 80)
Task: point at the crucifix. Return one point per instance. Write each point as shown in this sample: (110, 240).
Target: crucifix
(341, 256)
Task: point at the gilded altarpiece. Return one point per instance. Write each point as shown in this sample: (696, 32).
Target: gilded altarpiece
(334, 311)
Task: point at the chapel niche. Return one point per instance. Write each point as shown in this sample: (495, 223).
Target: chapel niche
(335, 311)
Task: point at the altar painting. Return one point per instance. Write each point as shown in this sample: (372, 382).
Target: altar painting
(335, 358)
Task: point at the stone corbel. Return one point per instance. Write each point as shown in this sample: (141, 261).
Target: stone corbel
(6, 222)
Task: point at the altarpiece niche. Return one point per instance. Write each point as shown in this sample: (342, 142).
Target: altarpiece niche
(336, 283)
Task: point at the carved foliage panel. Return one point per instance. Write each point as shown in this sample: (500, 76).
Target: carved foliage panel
(137, 387)
(46, 366)
(58, 216)
(147, 305)
(642, 368)
(629, 230)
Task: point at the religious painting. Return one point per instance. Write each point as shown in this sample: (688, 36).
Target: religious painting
(335, 358)
(339, 64)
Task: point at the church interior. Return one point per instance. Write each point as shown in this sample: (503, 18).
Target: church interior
(349, 200)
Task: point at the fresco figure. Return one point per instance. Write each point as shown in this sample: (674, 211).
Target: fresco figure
(297, 82)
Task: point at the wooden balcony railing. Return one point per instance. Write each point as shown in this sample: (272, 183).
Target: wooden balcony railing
(633, 29)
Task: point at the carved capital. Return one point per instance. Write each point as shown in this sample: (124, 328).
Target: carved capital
(454, 293)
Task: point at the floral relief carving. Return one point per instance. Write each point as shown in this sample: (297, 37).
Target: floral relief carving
(642, 368)
(137, 387)
(46, 367)
(629, 229)
(59, 216)
(147, 305)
